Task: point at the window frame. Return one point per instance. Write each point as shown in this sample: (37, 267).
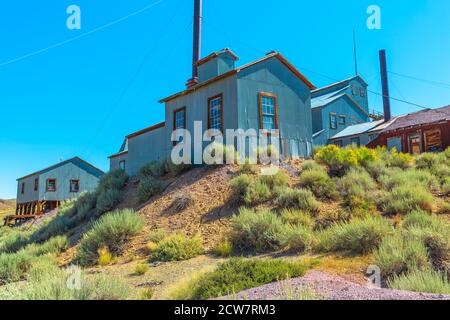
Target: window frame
(22, 188)
(339, 143)
(78, 183)
(120, 164)
(221, 111)
(36, 184)
(333, 114)
(47, 185)
(183, 109)
(261, 115)
(362, 92)
(355, 90)
(340, 118)
(358, 139)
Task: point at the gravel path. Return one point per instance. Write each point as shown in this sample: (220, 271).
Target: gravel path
(329, 287)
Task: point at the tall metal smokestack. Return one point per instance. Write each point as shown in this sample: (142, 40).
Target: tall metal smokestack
(385, 85)
(197, 43)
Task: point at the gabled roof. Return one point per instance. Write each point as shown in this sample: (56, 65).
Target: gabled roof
(325, 100)
(237, 70)
(76, 161)
(148, 129)
(419, 118)
(357, 129)
(338, 84)
(216, 54)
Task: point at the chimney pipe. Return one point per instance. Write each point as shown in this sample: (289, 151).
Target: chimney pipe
(385, 85)
(197, 43)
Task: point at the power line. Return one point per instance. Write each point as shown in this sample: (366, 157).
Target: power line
(437, 83)
(59, 44)
(134, 76)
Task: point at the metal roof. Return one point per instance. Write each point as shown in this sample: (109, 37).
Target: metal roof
(357, 129)
(419, 118)
(328, 98)
(338, 84)
(76, 161)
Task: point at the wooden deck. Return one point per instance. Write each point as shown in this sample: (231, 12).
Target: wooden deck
(8, 220)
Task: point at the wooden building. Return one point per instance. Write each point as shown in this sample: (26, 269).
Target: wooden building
(423, 131)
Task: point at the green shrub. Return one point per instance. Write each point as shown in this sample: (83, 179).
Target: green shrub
(55, 245)
(178, 247)
(279, 179)
(115, 180)
(141, 269)
(240, 184)
(442, 172)
(14, 266)
(318, 181)
(297, 199)
(398, 254)
(157, 235)
(421, 281)
(376, 169)
(52, 285)
(446, 187)
(14, 240)
(112, 231)
(236, 275)
(153, 169)
(248, 168)
(259, 231)
(296, 218)
(311, 165)
(330, 217)
(411, 177)
(300, 238)
(265, 154)
(420, 219)
(358, 236)
(358, 189)
(108, 199)
(224, 249)
(405, 199)
(427, 160)
(399, 160)
(257, 193)
(147, 294)
(148, 187)
(176, 169)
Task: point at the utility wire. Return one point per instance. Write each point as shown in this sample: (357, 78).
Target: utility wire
(59, 44)
(436, 83)
(133, 77)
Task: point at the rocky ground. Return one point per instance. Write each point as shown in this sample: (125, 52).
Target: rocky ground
(321, 285)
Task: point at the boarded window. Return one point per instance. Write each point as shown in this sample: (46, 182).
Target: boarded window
(74, 185)
(433, 141)
(51, 185)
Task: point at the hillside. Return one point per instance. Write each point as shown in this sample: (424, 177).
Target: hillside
(179, 233)
(7, 207)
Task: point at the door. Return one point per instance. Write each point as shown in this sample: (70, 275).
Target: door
(415, 144)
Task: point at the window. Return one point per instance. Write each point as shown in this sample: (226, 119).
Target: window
(433, 140)
(333, 121)
(122, 165)
(51, 185)
(268, 111)
(372, 137)
(355, 90)
(179, 121)
(36, 184)
(215, 115)
(342, 120)
(22, 188)
(338, 143)
(355, 141)
(362, 92)
(74, 185)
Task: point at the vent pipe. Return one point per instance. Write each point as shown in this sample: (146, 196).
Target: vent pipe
(385, 85)
(197, 43)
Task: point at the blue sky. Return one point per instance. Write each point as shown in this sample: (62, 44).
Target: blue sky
(82, 97)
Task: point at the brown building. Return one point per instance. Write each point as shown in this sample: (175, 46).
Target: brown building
(423, 131)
